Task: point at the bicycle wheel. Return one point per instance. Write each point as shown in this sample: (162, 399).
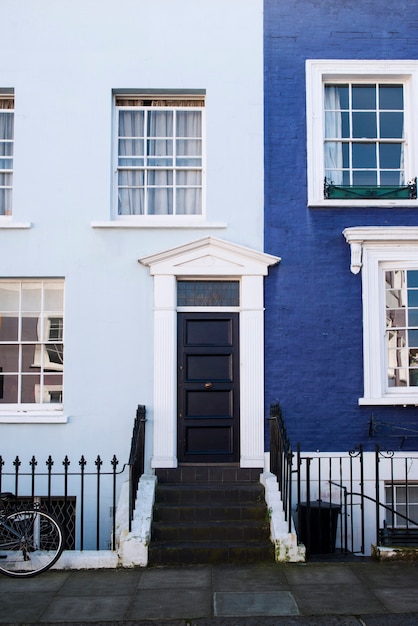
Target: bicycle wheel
(31, 542)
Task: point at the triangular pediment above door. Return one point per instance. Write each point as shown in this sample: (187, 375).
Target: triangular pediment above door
(210, 255)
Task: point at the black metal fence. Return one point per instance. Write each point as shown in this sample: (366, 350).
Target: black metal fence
(82, 494)
(346, 502)
(136, 458)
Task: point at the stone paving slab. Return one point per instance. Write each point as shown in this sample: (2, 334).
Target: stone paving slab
(345, 594)
(169, 604)
(254, 603)
(86, 609)
(338, 599)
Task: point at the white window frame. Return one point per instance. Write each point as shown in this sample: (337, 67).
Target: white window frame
(8, 95)
(42, 410)
(321, 71)
(399, 522)
(158, 220)
(374, 250)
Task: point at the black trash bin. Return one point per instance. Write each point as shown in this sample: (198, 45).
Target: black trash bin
(318, 526)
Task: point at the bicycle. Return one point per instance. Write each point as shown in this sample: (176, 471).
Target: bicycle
(31, 540)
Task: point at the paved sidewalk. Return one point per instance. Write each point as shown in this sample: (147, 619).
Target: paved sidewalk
(348, 593)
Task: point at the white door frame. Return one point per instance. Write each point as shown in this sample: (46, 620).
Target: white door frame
(209, 258)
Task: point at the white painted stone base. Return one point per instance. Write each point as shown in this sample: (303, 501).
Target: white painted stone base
(131, 547)
(400, 553)
(87, 559)
(286, 544)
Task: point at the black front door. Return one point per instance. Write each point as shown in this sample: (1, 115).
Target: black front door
(208, 388)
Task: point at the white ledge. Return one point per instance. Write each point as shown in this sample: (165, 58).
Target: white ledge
(348, 204)
(164, 223)
(390, 401)
(370, 234)
(359, 236)
(21, 417)
(9, 224)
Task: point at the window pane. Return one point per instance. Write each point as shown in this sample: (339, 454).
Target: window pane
(390, 155)
(29, 382)
(31, 296)
(5, 200)
(161, 178)
(189, 124)
(413, 317)
(394, 179)
(412, 297)
(364, 96)
(160, 124)
(189, 201)
(160, 201)
(53, 297)
(413, 357)
(395, 317)
(55, 352)
(31, 326)
(6, 125)
(9, 297)
(189, 147)
(28, 358)
(412, 276)
(391, 125)
(9, 328)
(9, 358)
(364, 155)
(336, 97)
(391, 97)
(10, 389)
(207, 293)
(367, 179)
(131, 202)
(413, 338)
(131, 123)
(364, 125)
(160, 148)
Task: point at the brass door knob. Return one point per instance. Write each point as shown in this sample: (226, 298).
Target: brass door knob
(208, 385)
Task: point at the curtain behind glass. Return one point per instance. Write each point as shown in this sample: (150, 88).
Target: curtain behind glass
(6, 155)
(333, 150)
(161, 144)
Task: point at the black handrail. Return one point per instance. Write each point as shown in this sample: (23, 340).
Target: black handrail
(136, 458)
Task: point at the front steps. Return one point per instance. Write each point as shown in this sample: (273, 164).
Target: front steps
(209, 515)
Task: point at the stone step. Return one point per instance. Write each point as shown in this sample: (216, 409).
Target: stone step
(209, 515)
(206, 531)
(210, 493)
(194, 553)
(234, 512)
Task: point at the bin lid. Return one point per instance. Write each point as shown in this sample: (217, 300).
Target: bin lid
(320, 504)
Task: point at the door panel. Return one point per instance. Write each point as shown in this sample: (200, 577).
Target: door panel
(208, 387)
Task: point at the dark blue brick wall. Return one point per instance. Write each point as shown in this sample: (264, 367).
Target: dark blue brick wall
(313, 302)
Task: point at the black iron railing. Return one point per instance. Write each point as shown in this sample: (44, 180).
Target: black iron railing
(82, 494)
(77, 496)
(281, 459)
(339, 505)
(136, 458)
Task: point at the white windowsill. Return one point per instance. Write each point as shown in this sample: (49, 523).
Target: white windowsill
(33, 417)
(350, 204)
(163, 222)
(7, 222)
(390, 401)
